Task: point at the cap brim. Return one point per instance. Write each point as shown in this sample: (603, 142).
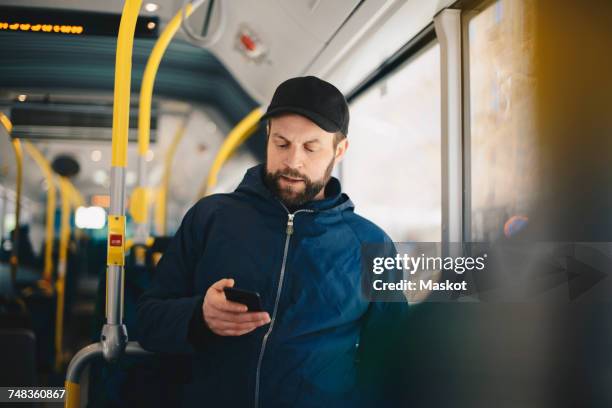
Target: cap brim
(319, 120)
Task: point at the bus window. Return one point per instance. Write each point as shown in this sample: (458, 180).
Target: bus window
(392, 169)
(502, 119)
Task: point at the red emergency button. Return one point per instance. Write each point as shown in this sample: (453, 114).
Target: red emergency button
(248, 42)
(116, 240)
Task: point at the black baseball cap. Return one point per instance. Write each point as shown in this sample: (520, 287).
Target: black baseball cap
(314, 99)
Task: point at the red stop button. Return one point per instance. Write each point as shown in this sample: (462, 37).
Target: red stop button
(116, 240)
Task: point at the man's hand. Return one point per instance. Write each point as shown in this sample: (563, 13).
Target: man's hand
(227, 318)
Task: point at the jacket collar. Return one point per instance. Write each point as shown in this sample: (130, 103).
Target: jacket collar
(335, 200)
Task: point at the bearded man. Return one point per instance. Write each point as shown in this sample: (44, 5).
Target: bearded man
(289, 233)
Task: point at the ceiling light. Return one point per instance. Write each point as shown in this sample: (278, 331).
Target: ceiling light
(151, 25)
(90, 217)
(96, 155)
(151, 7)
(22, 98)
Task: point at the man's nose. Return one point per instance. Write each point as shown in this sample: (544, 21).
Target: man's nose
(294, 158)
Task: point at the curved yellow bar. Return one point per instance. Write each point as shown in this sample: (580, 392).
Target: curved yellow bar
(15, 257)
(73, 395)
(45, 168)
(139, 200)
(140, 195)
(241, 132)
(123, 72)
(148, 79)
(6, 122)
(61, 269)
(75, 197)
(16, 144)
(160, 209)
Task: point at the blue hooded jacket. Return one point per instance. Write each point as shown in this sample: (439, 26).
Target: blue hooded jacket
(307, 268)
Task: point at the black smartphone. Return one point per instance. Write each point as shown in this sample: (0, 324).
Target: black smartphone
(252, 300)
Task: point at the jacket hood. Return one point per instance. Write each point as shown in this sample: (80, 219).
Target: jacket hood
(335, 200)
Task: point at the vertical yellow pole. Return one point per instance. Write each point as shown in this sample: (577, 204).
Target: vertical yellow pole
(45, 168)
(15, 255)
(162, 198)
(114, 334)
(60, 284)
(16, 144)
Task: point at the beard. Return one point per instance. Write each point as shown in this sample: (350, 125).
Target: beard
(288, 195)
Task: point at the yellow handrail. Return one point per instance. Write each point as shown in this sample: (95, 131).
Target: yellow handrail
(139, 203)
(45, 168)
(62, 264)
(16, 144)
(114, 338)
(15, 256)
(75, 197)
(76, 201)
(160, 209)
(148, 79)
(6, 122)
(241, 132)
(71, 198)
(123, 72)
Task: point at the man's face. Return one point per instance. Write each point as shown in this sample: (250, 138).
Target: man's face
(300, 158)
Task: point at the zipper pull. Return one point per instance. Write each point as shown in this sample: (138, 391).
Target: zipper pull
(290, 224)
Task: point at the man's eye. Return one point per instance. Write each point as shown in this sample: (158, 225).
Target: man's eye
(282, 146)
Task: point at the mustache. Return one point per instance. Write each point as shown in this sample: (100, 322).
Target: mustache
(292, 173)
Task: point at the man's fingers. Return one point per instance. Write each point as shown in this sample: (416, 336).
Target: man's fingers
(220, 284)
(239, 317)
(227, 318)
(221, 325)
(229, 306)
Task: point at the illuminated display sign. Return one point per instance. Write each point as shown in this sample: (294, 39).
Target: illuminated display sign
(70, 22)
(45, 28)
(101, 200)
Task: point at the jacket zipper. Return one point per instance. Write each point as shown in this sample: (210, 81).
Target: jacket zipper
(289, 231)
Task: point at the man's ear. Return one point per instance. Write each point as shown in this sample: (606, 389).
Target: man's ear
(341, 149)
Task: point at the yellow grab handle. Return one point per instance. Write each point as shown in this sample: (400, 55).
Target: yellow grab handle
(73, 395)
(160, 211)
(75, 197)
(138, 204)
(16, 144)
(148, 79)
(123, 72)
(45, 168)
(241, 132)
(62, 265)
(160, 208)
(6, 122)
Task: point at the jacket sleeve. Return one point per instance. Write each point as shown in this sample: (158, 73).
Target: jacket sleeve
(169, 313)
